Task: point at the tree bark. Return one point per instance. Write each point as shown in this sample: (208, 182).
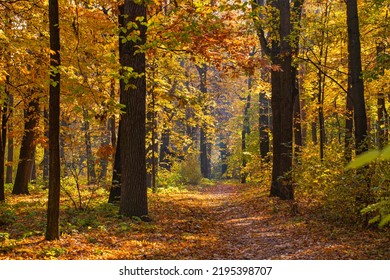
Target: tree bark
(245, 131)
(280, 51)
(53, 205)
(115, 191)
(133, 201)
(205, 149)
(26, 156)
(91, 174)
(357, 88)
(3, 137)
(282, 107)
(10, 145)
(264, 125)
(383, 117)
(46, 148)
(348, 138)
(164, 160)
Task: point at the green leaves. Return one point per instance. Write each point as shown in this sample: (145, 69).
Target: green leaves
(368, 157)
(363, 159)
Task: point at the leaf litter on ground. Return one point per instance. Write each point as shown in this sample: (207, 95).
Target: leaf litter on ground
(223, 221)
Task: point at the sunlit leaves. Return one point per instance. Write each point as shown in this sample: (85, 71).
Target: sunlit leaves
(369, 157)
(363, 159)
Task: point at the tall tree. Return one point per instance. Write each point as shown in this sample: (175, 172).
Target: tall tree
(355, 68)
(10, 149)
(133, 201)
(278, 47)
(205, 149)
(53, 205)
(3, 117)
(245, 131)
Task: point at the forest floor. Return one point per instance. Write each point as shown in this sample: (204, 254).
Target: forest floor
(223, 221)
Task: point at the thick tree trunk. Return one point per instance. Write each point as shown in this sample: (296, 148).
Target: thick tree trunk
(280, 51)
(133, 201)
(282, 108)
(357, 88)
(26, 155)
(53, 205)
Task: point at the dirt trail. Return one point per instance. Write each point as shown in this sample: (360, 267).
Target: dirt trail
(229, 222)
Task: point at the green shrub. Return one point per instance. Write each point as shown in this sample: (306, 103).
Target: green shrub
(189, 170)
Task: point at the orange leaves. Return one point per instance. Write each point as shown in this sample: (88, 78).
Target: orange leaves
(105, 151)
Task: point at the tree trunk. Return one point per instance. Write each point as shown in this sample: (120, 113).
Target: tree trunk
(280, 51)
(204, 155)
(296, 16)
(46, 148)
(133, 201)
(10, 145)
(245, 131)
(223, 156)
(165, 153)
(383, 117)
(115, 191)
(205, 149)
(3, 137)
(91, 174)
(357, 88)
(26, 156)
(105, 142)
(264, 125)
(348, 139)
(297, 114)
(53, 205)
(33, 176)
(282, 108)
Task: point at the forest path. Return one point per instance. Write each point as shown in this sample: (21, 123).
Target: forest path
(233, 221)
(223, 221)
(244, 225)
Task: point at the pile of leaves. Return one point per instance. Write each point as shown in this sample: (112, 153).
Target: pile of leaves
(221, 221)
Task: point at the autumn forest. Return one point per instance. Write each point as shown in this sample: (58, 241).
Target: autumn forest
(188, 129)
